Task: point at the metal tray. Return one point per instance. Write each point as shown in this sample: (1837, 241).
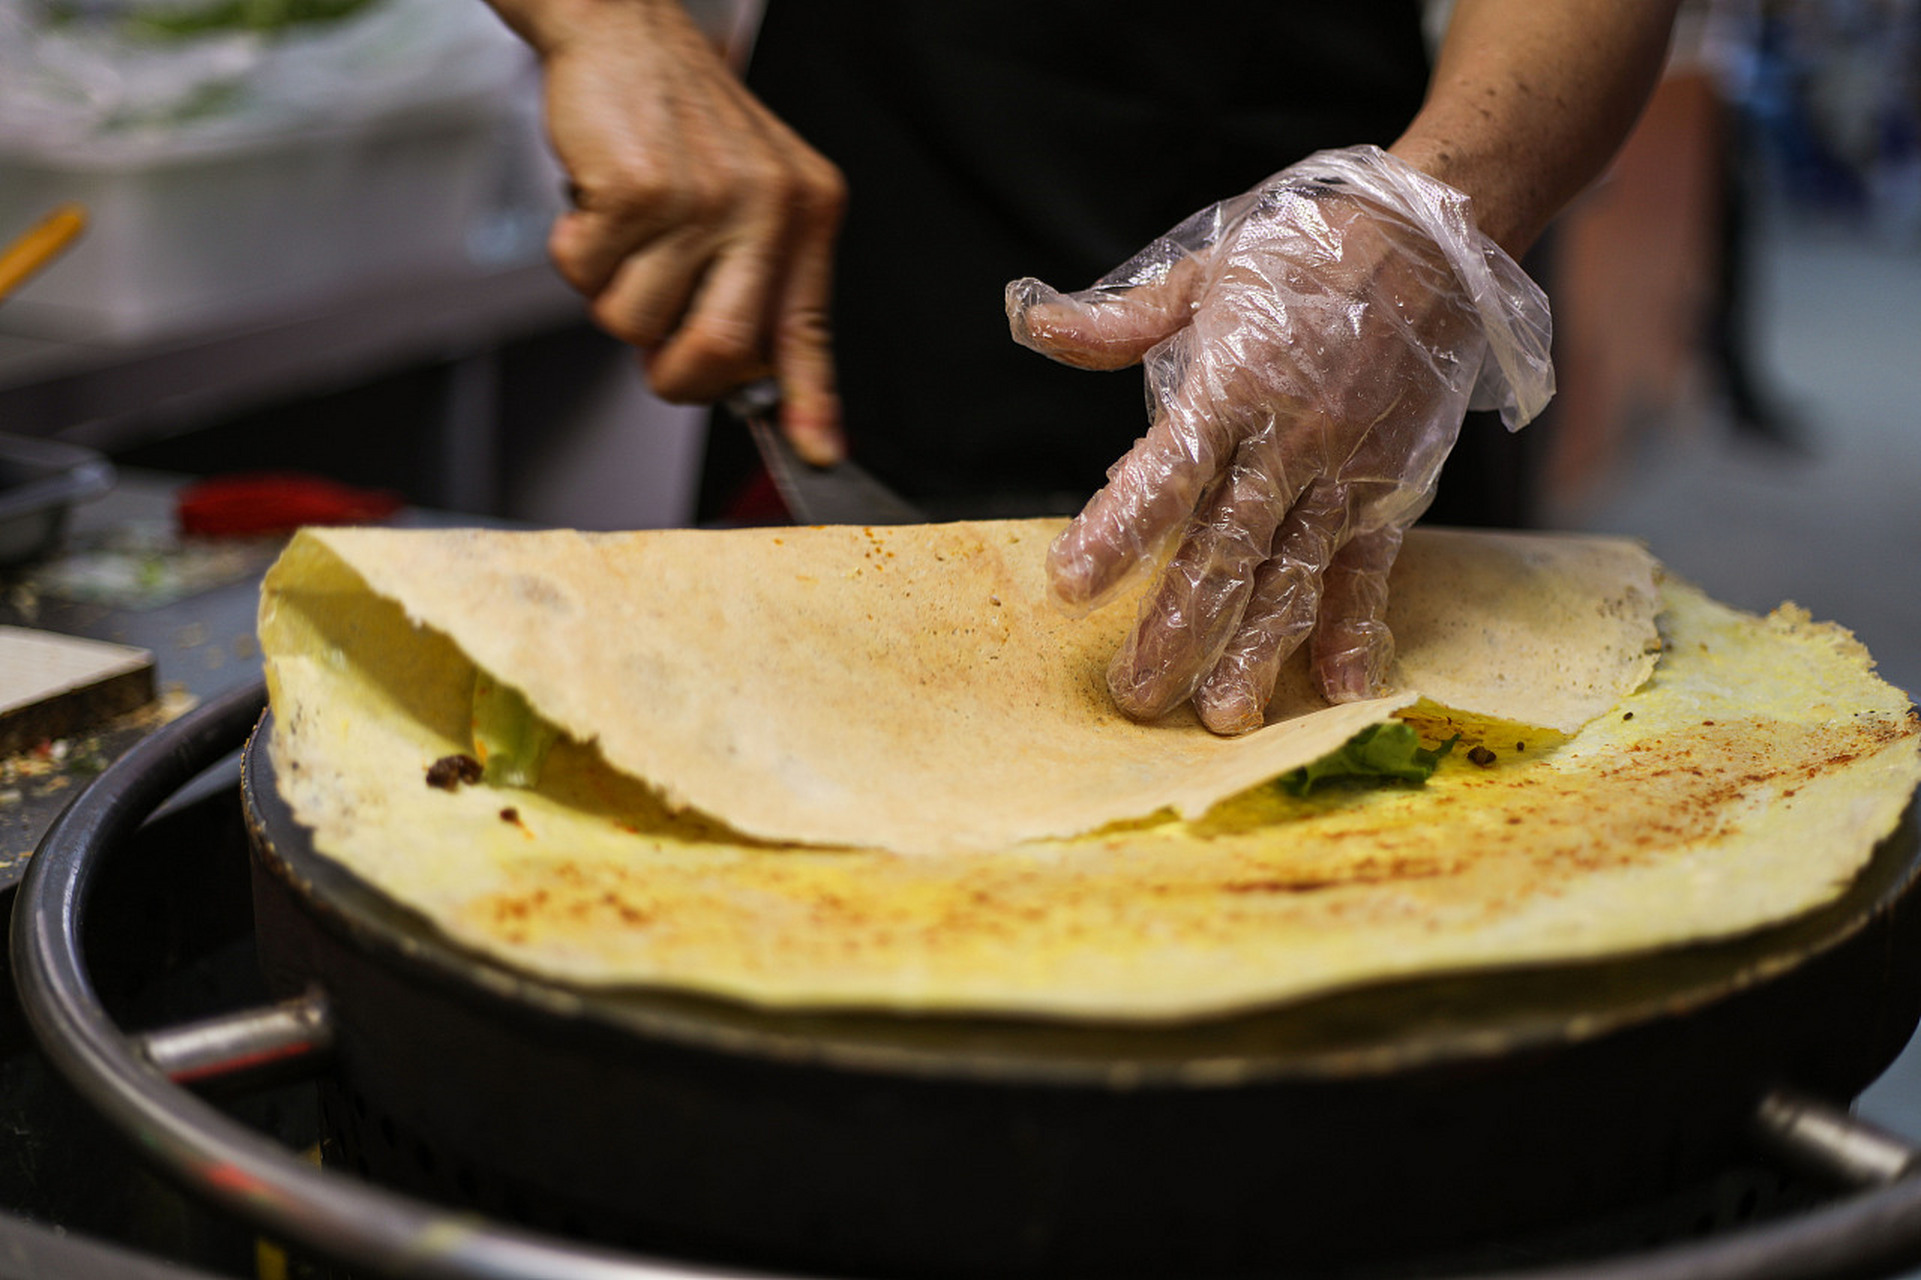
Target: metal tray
(40, 480)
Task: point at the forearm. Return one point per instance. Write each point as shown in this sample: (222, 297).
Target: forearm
(1529, 100)
(550, 26)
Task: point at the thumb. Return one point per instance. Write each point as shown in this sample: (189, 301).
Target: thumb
(1109, 326)
(810, 414)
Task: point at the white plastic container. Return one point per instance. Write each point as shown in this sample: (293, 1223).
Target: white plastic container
(249, 227)
(238, 171)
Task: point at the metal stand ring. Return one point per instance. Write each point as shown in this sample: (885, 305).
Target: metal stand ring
(214, 1156)
(1872, 1234)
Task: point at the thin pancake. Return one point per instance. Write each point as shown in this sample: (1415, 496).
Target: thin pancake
(1746, 782)
(911, 688)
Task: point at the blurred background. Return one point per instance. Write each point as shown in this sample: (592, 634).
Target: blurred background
(1736, 315)
(315, 240)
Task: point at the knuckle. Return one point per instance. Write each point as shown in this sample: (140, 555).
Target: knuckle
(805, 329)
(824, 192)
(570, 256)
(703, 360)
(778, 195)
(644, 194)
(806, 196)
(707, 201)
(634, 193)
(722, 343)
(634, 328)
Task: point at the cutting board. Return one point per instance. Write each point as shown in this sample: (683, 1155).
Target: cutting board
(53, 686)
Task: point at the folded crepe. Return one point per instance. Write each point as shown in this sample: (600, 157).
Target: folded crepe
(912, 689)
(874, 768)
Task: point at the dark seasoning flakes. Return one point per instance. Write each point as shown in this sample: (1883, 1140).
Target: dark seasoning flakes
(449, 772)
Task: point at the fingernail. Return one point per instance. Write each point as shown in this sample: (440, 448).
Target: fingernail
(1136, 693)
(1354, 676)
(1022, 299)
(1347, 684)
(1230, 713)
(1022, 294)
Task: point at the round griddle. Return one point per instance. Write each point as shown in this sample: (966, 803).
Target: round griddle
(1462, 1020)
(1418, 1118)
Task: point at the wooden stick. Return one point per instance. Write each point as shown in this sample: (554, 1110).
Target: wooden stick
(38, 246)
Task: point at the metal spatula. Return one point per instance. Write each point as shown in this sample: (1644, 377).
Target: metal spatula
(838, 494)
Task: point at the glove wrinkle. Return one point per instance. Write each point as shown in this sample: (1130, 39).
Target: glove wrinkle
(1281, 607)
(1353, 647)
(1188, 616)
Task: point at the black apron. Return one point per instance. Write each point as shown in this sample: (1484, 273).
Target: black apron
(987, 140)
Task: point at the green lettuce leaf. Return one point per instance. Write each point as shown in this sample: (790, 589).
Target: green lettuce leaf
(510, 739)
(1379, 754)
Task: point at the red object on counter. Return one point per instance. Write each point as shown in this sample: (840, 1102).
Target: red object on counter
(277, 502)
(757, 502)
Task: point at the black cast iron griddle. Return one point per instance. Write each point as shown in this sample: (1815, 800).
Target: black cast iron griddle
(1362, 1129)
(1378, 1030)
(1438, 1112)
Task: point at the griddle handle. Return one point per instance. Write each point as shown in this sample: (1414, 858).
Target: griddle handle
(1819, 1138)
(245, 1049)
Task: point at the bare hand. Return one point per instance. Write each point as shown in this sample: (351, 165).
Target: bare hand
(704, 227)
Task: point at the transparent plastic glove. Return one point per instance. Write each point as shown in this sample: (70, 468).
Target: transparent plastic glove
(1310, 348)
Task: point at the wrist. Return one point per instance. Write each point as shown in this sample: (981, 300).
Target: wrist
(553, 26)
(1517, 374)
(1500, 200)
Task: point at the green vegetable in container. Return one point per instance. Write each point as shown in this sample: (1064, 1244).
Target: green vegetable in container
(172, 19)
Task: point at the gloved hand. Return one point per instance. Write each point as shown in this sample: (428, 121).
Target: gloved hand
(1310, 348)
